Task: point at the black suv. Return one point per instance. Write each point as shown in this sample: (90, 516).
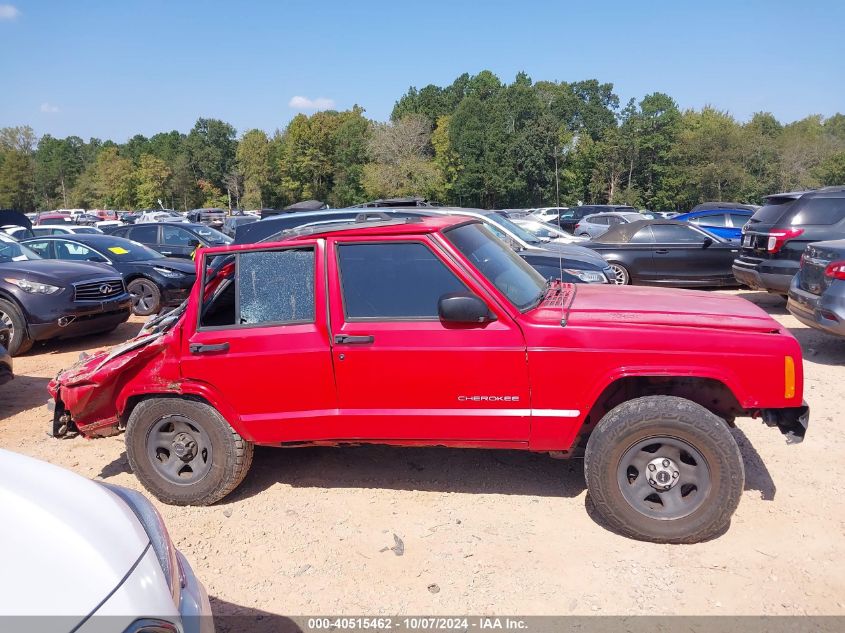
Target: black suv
(777, 234)
(178, 239)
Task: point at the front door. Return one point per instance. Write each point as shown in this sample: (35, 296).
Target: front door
(261, 343)
(680, 254)
(401, 373)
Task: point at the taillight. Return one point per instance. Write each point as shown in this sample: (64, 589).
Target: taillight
(577, 226)
(778, 238)
(835, 270)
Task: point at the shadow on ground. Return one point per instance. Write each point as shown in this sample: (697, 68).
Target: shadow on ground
(121, 334)
(426, 469)
(23, 393)
(235, 618)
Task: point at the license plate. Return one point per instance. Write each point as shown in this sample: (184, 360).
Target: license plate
(746, 240)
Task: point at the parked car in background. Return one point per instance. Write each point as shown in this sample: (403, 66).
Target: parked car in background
(173, 240)
(151, 217)
(724, 219)
(553, 260)
(152, 280)
(128, 217)
(778, 233)
(568, 219)
(6, 367)
(594, 225)
(42, 299)
(232, 222)
(123, 572)
(666, 253)
(513, 214)
(105, 214)
(547, 214)
(817, 291)
(546, 231)
(433, 332)
(210, 217)
(22, 233)
(53, 218)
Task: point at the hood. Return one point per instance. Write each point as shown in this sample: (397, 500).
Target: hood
(570, 251)
(598, 305)
(56, 270)
(174, 263)
(582, 259)
(48, 524)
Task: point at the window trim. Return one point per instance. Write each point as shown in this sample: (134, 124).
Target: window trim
(380, 319)
(250, 326)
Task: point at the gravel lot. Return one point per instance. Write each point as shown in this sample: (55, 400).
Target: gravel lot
(377, 530)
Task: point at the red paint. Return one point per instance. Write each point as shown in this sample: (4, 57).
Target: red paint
(535, 381)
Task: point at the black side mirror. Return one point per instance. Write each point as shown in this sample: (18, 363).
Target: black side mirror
(707, 242)
(463, 308)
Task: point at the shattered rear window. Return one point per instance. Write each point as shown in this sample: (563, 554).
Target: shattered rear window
(276, 286)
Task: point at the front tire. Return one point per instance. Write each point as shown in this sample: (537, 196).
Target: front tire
(146, 297)
(12, 318)
(184, 452)
(664, 469)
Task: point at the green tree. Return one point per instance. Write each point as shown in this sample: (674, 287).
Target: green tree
(253, 159)
(17, 168)
(58, 163)
(152, 181)
(211, 146)
(114, 180)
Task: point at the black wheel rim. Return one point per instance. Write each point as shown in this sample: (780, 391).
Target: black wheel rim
(664, 478)
(143, 298)
(179, 450)
(620, 275)
(6, 320)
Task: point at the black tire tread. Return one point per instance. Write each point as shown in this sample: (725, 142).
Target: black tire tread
(24, 343)
(641, 413)
(241, 451)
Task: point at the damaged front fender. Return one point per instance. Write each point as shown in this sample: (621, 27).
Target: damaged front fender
(90, 396)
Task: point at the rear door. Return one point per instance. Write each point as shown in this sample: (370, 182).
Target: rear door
(260, 343)
(401, 373)
(146, 234)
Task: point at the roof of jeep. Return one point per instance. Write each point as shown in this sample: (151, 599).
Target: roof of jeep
(404, 226)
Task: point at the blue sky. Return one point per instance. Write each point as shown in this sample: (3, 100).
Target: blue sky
(113, 68)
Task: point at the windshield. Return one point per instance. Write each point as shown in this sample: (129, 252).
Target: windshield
(541, 229)
(212, 236)
(521, 233)
(11, 251)
(521, 284)
(129, 251)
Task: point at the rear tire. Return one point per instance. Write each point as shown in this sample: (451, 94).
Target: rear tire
(664, 469)
(184, 452)
(146, 297)
(12, 317)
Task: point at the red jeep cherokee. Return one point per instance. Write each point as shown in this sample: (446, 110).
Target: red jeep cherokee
(434, 332)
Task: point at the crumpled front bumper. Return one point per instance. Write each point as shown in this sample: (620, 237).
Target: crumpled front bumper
(792, 421)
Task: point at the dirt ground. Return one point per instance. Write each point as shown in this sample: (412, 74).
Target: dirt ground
(377, 530)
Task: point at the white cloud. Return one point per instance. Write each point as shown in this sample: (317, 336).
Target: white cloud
(49, 108)
(304, 103)
(9, 12)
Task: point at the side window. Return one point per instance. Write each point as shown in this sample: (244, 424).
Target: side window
(644, 235)
(174, 236)
(260, 288)
(738, 220)
(393, 281)
(40, 248)
(76, 252)
(675, 234)
(712, 220)
(146, 234)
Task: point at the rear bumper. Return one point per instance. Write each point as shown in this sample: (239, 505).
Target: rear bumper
(792, 421)
(824, 312)
(769, 276)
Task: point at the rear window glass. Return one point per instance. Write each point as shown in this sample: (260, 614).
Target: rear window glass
(773, 211)
(820, 211)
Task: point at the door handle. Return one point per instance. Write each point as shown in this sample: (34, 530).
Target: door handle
(166, 252)
(661, 251)
(202, 348)
(346, 339)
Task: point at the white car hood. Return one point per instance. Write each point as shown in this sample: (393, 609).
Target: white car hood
(65, 541)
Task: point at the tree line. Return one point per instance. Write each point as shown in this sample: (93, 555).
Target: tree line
(477, 142)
